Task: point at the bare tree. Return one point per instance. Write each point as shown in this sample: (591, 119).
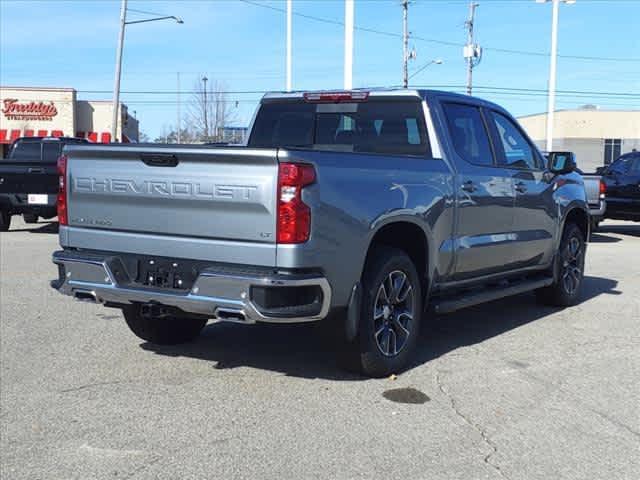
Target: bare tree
(209, 111)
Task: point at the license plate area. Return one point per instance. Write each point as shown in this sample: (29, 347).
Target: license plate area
(37, 199)
(166, 274)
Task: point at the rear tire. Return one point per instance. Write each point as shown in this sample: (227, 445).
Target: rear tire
(565, 291)
(162, 330)
(390, 314)
(5, 220)
(30, 217)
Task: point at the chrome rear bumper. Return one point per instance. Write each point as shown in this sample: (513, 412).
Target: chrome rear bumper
(599, 209)
(224, 295)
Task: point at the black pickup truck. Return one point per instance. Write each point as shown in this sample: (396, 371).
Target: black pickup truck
(29, 178)
(622, 184)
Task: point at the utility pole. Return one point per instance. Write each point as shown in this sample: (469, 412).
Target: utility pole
(405, 44)
(348, 44)
(472, 52)
(179, 133)
(288, 61)
(206, 123)
(116, 87)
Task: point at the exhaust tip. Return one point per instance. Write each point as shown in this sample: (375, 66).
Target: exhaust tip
(231, 315)
(85, 296)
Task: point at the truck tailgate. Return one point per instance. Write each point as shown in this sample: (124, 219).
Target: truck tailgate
(28, 177)
(203, 197)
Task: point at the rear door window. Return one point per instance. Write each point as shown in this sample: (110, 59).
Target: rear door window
(468, 133)
(386, 127)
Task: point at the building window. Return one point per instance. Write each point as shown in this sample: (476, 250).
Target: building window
(612, 149)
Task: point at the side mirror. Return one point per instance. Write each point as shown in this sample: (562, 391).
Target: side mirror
(561, 162)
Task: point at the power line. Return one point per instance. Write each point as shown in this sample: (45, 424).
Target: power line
(256, 92)
(438, 41)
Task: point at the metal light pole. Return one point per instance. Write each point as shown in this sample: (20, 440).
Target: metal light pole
(116, 85)
(551, 103)
(348, 44)
(289, 15)
(178, 114)
(206, 123)
(436, 61)
(551, 98)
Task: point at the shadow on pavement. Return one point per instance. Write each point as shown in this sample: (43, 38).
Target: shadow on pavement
(632, 230)
(310, 351)
(598, 237)
(40, 227)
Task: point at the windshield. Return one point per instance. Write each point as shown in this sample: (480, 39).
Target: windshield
(389, 127)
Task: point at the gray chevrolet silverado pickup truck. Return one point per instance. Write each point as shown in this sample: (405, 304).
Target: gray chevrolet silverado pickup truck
(370, 210)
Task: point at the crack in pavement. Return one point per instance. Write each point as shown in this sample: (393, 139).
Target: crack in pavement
(481, 431)
(90, 385)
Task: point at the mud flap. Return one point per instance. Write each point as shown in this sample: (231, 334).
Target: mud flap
(353, 313)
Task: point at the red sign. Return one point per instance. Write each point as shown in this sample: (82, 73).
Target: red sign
(15, 110)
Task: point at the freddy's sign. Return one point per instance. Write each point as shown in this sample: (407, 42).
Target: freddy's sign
(15, 110)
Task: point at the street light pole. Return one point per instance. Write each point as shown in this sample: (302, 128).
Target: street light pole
(206, 123)
(551, 97)
(116, 86)
(348, 44)
(551, 104)
(436, 61)
(179, 115)
(289, 15)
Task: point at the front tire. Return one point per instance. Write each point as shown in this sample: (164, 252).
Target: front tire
(30, 217)
(162, 330)
(569, 272)
(390, 313)
(5, 220)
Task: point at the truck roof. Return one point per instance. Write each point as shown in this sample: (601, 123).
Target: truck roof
(382, 92)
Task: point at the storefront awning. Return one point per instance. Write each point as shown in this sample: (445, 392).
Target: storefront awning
(9, 136)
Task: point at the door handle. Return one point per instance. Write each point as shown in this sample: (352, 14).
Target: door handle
(521, 187)
(468, 186)
(36, 170)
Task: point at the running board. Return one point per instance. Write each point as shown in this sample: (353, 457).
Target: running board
(448, 305)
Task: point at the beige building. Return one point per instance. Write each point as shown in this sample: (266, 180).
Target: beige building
(597, 137)
(30, 111)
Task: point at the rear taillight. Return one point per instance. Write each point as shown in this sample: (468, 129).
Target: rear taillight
(294, 216)
(63, 217)
(603, 189)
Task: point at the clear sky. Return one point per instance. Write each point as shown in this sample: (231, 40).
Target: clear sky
(242, 45)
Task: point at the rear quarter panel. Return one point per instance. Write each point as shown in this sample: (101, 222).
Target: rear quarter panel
(357, 194)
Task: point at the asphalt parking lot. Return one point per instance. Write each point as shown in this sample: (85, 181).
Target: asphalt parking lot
(509, 389)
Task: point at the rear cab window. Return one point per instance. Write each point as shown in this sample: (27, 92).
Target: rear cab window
(51, 151)
(377, 126)
(26, 151)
